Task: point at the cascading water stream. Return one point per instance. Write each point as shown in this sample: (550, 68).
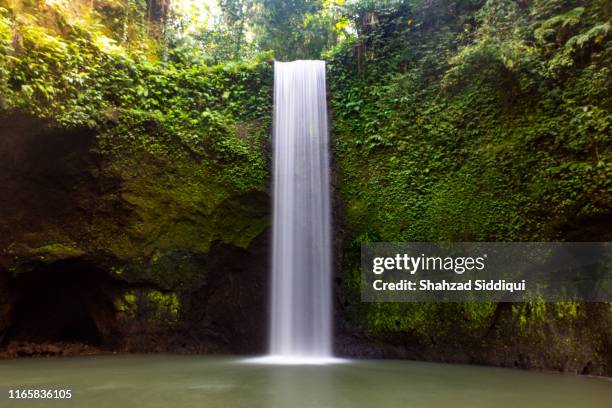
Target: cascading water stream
(301, 328)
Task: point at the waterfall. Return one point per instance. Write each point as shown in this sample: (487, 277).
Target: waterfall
(301, 310)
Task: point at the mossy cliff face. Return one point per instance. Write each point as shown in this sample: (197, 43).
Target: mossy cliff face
(475, 121)
(152, 223)
(66, 199)
(146, 178)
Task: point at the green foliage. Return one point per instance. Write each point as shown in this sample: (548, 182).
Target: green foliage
(422, 141)
(5, 49)
(301, 29)
(297, 29)
(473, 121)
(226, 38)
(185, 142)
(220, 114)
(556, 28)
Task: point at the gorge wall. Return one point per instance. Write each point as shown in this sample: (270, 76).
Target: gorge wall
(144, 255)
(475, 121)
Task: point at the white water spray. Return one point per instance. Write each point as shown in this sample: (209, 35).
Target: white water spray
(301, 329)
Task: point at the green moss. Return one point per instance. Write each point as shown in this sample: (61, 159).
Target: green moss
(55, 252)
(159, 308)
(471, 133)
(174, 208)
(153, 305)
(127, 304)
(166, 305)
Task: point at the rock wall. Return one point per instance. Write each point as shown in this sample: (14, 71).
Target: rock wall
(137, 256)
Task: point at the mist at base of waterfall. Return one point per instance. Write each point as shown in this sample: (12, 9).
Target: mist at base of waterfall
(294, 360)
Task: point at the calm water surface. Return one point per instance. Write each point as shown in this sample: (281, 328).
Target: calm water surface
(196, 381)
